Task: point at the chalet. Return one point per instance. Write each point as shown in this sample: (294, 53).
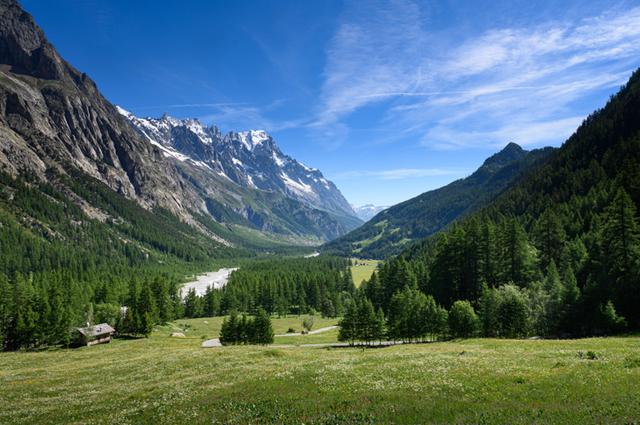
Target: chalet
(92, 335)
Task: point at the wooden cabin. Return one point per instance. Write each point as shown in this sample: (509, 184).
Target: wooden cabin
(92, 335)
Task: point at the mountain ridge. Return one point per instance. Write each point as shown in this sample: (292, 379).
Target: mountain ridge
(252, 159)
(55, 121)
(389, 231)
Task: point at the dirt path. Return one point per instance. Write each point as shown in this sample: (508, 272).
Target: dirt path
(317, 331)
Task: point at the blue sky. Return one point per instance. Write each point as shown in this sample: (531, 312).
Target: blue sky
(387, 98)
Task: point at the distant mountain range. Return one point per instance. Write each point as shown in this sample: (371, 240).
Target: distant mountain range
(393, 229)
(235, 189)
(366, 212)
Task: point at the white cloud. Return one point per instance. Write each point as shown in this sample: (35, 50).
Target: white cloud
(361, 59)
(523, 84)
(399, 173)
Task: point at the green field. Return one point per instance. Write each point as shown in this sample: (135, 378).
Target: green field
(162, 380)
(362, 270)
(209, 327)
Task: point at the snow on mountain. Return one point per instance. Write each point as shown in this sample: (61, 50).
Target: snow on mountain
(248, 158)
(367, 212)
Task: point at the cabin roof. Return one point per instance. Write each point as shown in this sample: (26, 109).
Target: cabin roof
(101, 329)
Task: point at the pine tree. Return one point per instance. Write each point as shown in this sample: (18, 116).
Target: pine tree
(162, 301)
(366, 321)
(191, 304)
(516, 260)
(348, 326)
(263, 331)
(379, 330)
(489, 312)
(550, 238)
(5, 308)
(146, 306)
(620, 244)
(229, 330)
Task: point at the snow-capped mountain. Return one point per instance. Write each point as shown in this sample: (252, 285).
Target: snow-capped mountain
(250, 159)
(367, 212)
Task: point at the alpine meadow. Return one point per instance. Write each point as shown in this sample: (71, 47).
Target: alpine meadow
(322, 212)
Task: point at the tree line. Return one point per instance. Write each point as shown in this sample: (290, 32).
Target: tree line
(280, 286)
(523, 282)
(42, 309)
(247, 330)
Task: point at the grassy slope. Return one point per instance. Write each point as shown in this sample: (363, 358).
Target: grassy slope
(163, 380)
(360, 272)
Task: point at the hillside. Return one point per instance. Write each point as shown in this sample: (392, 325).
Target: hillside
(566, 234)
(55, 121)
(392, 230)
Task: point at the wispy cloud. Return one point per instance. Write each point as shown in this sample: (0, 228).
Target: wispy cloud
(361, 59)
(521, 84)
(399, 173)
(189, 105)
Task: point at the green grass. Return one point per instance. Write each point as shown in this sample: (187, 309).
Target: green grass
(209, 327)
(362, 272)
(327, 337)
(163, 380)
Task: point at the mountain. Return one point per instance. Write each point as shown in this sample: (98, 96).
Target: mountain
(569, 226)
(393, 229)
(251, 159)
(57, 129)
(367, 212)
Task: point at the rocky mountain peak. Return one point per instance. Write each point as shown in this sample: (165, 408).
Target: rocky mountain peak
(251, 159)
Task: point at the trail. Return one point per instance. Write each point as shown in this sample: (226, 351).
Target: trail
(317, 331)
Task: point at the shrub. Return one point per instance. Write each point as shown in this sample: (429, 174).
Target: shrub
(463, 321)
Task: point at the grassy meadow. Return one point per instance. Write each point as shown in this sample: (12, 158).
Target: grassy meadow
(162, 380)
(362, 270)
(209, 327)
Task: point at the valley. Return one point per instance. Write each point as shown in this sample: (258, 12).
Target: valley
(155, 268)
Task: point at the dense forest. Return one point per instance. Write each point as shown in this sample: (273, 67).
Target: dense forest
(60, 268)
(280, 286)
(41, 308)
(557, 254)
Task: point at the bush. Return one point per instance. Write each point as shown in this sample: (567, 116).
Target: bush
(463, 321)
(308, 322)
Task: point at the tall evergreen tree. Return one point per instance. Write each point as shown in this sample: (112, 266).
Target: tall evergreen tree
(620, 244)
(550, 238)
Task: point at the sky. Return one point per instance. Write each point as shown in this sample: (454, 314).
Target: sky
(388, 99)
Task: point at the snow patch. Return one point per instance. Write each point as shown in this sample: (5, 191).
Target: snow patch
(196, 128)
(296, 186)
(279, 162)
(251, 139)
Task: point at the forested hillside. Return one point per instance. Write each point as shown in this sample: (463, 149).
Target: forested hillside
(558, 253)
(58, 266)
(394, 229)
